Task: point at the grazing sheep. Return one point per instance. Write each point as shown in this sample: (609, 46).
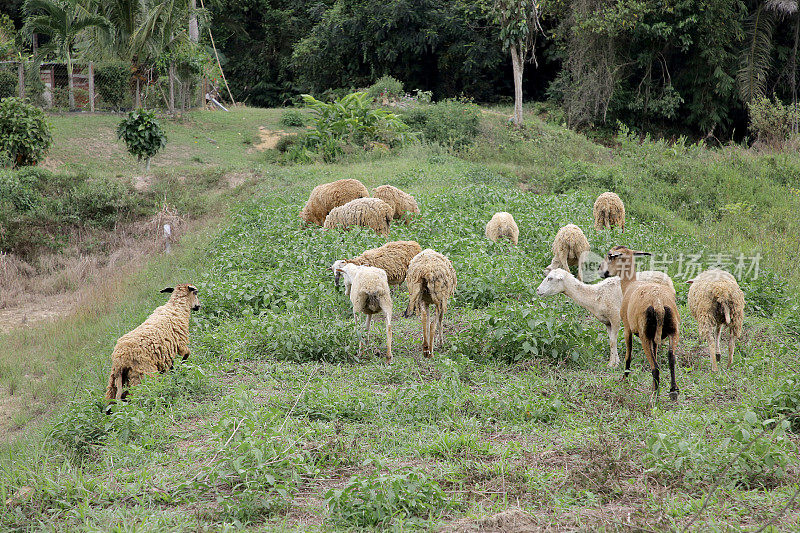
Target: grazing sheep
(502, 226)
(431, 279)
(403, 204)
(393, 257)
(370, 212)
(716, 300)
(603, 300)
(368, 288)
(609, 211)
(569, 248)
(329, 195)
(648, 311)
(153, 345)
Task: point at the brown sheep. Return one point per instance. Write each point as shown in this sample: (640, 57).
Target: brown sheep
(369, 212)
(648, 311)
(715, 301)
(431, 280)
(327, 196)
(609, 211)
(393, 257)
(404, 205)
(502, 226)
(153, 345)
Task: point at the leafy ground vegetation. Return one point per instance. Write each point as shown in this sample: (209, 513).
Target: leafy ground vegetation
(274, 424)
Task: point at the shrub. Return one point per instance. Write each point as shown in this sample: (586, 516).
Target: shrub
(24, 133)
(112, 81)
(293, 118)
(142, 134)
(449, 123)
(386, 88)
(378, 499)
(8, 83)
(785, 400)
(770, 121)
(286, 142)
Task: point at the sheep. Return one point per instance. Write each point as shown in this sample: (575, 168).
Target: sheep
(329, 195)
(368, 288)
(403, 204)
(393, 257)
(569, 248)
(609, 211)
(153, 345)
(431, 279)
(648, 310)
(715, 301)
(370, 212)
(502, 225)
(603, 300)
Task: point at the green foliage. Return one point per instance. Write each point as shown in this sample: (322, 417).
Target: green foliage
(785, 400)
(351, 120)
(771, 121)
(112, 80)
(8, 83)
(24, 133)
(519, 24)
(141, 132)
(8, 37)
(386, 88)
(293, 118)
(449, 123)
(82, 427)
(379, 499)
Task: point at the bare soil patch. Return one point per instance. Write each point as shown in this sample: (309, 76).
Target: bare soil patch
(270, 138)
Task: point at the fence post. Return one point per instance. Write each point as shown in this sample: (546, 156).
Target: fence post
(21, 75)
(91, 86)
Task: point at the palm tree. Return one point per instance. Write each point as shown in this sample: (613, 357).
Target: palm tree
(63, 21)
(756, 61)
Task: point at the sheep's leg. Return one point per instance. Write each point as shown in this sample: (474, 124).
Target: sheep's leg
(183, 351)
(368, 326)
(423, 315)
(651, 351)
(731, 344)
(673, 386)
(719, 343)
(388, 313)
(628, 352)
(613, 331)
(118, 385)
(712, 350)
(358, 332)
(439, 328)
(581, 257)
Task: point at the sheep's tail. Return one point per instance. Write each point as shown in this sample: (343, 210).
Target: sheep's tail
(655, 321)
(726, 310)
(415, 294)
(373, 301)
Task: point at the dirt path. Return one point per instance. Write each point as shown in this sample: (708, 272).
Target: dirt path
(30, 312)
(269, 138)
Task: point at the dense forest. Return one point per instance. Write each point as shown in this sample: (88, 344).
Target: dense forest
(662, 65)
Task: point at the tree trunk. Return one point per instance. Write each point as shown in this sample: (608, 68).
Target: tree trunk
(70, 83)
(194, 29)
(147, 165)
(793, 73)
(138, 95)
(172, 88)
(518, 65)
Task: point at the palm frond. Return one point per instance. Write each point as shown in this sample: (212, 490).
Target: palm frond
(783, 7)
(756, 58)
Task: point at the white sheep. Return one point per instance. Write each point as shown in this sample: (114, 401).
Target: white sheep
(502, 226)
(370, 212)
(327, 196)
(368, 288)
(569, 248)
(648, 311)
(431, 280)
(716, 301)
(403, 204)
(393, 257)
(609, 211)
(603, 300)
(153, 346)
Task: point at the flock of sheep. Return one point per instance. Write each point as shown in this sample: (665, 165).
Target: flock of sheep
(644, 302)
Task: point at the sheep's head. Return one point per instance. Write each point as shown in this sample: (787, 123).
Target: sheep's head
(185, 291)
(553, 283)
(620, 261)
(338, 270)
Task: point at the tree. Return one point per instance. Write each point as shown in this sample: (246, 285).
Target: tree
(63, 21)
(519, 26)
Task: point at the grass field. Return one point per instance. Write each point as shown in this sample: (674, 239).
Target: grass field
(274, 424)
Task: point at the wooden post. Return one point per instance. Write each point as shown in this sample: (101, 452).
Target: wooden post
(138, 97)
(91, 86)
(172, 88)
(21, 75)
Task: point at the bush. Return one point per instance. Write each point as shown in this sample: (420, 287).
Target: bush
(293, 118)
(142, 134)
(386, 88)
(785, 400)
(112, 81)
(24, 133)
(770, 121)
(8, 83)
(286, 142)
(449, 123)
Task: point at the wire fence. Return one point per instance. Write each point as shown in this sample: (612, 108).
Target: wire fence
(101, 87)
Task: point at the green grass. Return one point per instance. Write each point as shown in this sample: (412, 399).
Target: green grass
(273, 424)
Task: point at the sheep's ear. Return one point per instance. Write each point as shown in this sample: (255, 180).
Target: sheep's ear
(641, 253)
(191, 288)
(168, 289)
(689, 281)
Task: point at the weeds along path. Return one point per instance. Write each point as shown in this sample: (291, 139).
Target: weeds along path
(273, 424)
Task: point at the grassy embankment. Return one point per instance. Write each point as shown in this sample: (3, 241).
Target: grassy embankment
(271, 416)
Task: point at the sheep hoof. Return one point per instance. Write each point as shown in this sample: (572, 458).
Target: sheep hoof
(673, 395)
(719, 357)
